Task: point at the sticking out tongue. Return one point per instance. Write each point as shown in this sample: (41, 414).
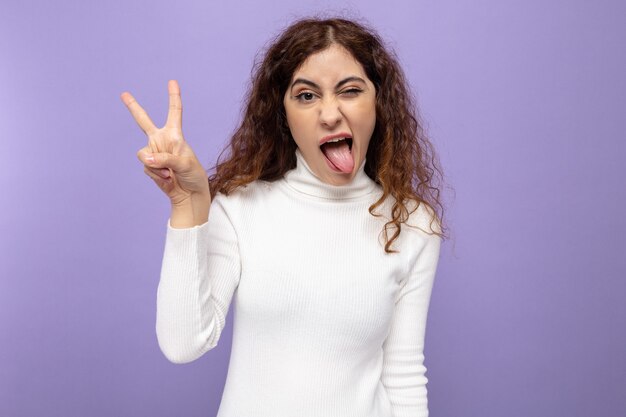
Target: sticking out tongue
(338, 153)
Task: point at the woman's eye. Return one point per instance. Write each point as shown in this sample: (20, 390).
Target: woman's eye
(351, 92)
(305, 96)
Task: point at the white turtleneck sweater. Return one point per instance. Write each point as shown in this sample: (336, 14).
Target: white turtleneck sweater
(326, 323)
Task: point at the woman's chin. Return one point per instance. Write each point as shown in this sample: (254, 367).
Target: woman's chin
(335, 177)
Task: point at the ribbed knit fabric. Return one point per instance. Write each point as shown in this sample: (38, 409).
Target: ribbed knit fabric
(326, 323)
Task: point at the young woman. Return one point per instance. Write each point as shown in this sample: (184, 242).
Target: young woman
(324, 230)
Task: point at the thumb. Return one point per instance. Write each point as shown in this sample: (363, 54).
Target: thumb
(163, 160)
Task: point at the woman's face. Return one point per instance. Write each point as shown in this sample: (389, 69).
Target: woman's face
(331, 112)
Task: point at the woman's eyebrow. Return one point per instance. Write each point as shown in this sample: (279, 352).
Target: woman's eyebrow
(304, 81)
(339, 84)
(349, 79)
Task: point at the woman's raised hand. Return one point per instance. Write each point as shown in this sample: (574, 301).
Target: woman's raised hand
(167, 158)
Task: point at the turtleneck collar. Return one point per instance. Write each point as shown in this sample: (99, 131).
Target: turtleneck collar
(303, 180)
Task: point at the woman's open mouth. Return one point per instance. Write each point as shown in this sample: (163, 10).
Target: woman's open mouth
(338, 152)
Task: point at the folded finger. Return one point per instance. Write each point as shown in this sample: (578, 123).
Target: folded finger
(156, 174)
(161, 172)
(175, 113)
(138, 113)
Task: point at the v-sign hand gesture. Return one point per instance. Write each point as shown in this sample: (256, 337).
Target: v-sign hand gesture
(167, 158)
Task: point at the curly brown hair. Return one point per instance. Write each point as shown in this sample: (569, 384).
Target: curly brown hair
(400, 158)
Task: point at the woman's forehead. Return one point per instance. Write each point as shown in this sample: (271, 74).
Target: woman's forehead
(329, 65)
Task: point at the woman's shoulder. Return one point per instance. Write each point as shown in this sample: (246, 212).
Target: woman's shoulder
(244, 195)
(422, 231)
(423, 217)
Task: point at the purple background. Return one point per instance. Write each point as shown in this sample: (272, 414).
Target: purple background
(522, 99)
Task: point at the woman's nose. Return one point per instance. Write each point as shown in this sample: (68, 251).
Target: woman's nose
(330, 113)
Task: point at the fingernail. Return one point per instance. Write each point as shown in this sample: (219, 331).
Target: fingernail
(150, 159)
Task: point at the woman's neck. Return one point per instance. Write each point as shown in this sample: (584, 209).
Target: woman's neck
(303, 180)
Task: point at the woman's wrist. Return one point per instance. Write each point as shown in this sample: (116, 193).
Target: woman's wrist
(191, 212)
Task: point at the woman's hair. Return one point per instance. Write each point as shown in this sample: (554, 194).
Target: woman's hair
(400, 158)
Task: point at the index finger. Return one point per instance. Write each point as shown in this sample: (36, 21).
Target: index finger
(139, 114)
(175, 113)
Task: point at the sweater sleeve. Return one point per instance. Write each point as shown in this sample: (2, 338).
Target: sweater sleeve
(403, 372)
(199, 274)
